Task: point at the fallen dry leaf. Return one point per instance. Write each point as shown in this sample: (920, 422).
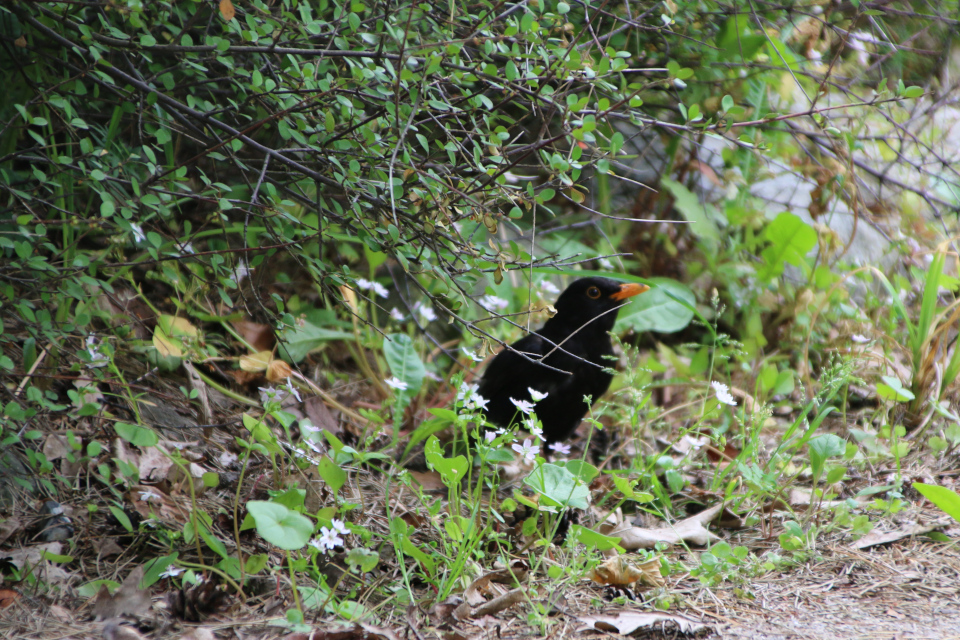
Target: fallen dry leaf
(874, 538)
(198, 633)
(627, 622)
(619, 571)
(127, 600)
(117, 630)
(8, 597)
(259, 336)
(690, 531)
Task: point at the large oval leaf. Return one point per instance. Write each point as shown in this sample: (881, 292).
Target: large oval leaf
(666, 308)
(403, 361)
(279, 525)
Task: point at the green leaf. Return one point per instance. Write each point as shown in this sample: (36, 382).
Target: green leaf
(666, 308)
(135, 434)
(153, 569)
(790, 240)
(822, 447)
(297, 342)
(594, 540)
(700, 215)
(558, 486)
(404, 363)
(362, 560)
(280, 526)
(946, 499)
(332, 474)
(912, 92)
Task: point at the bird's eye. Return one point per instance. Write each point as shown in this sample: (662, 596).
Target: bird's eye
(593, 292)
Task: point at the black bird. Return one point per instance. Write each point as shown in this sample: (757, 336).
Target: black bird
(574, 341)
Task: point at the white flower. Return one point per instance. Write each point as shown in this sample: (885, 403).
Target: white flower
(380, 290)
(307, 426)
(241, 271)
(537, 395)
(363, 283)
(493, 302)
(679, 84)
(293, 390)
(472, 355)
(527, 450)
(723, 393)
(606, 264)
(270, 394)
(171, 572)
(150, 496)
(560, 448)
(548, 288)
(466, 391)
(538, 432)
(328, 540)
(340, 527)
(97, 359)
(138, 234)
(433, 376)
(396, 383)
(396, 314)
(859, 339)
(426, 312)
(522, 405)
(666, 19)
(476, 401)
(188, 248)
(490, 436)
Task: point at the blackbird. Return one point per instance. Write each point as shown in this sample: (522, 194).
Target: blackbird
(575, 341)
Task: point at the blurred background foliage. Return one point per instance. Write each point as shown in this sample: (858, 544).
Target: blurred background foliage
(246, 160)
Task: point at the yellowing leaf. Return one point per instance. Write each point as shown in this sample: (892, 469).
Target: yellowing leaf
(278, 370)
(227, 10)
(256, 362)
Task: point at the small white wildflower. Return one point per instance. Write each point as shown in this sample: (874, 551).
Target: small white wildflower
(560, 448)
(150, 496)
(548, 288)
(679, 84)
(171, 572)
(606, 264)
(523, 406)
(465, 391)
(313, 447)
(723, 393)
(527, 450)
(427, 314)
(340, 527)
(537, 432)
(396, 383)
(494, 303)
(490, 436)
(241, 271)
(97, 359)
(477, 401)
(432, 376)
(379, 289)
(138, 234)
(666, 19)
(316, 544)
(859, 339)
(472, 355)
(293, 390)
(363, 283)
(329, 539)
(188, 248)
(270, 394)
(537, 395)
(307, 426)
(397, 315)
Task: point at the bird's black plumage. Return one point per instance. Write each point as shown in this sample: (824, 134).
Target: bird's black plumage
(576, 341)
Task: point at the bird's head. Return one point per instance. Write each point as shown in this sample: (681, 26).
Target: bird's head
(589, 298)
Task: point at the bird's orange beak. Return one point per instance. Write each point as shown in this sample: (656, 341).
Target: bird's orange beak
(629, 290)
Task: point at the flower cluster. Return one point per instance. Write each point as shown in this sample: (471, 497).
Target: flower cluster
(329, 538)
(376, 287)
